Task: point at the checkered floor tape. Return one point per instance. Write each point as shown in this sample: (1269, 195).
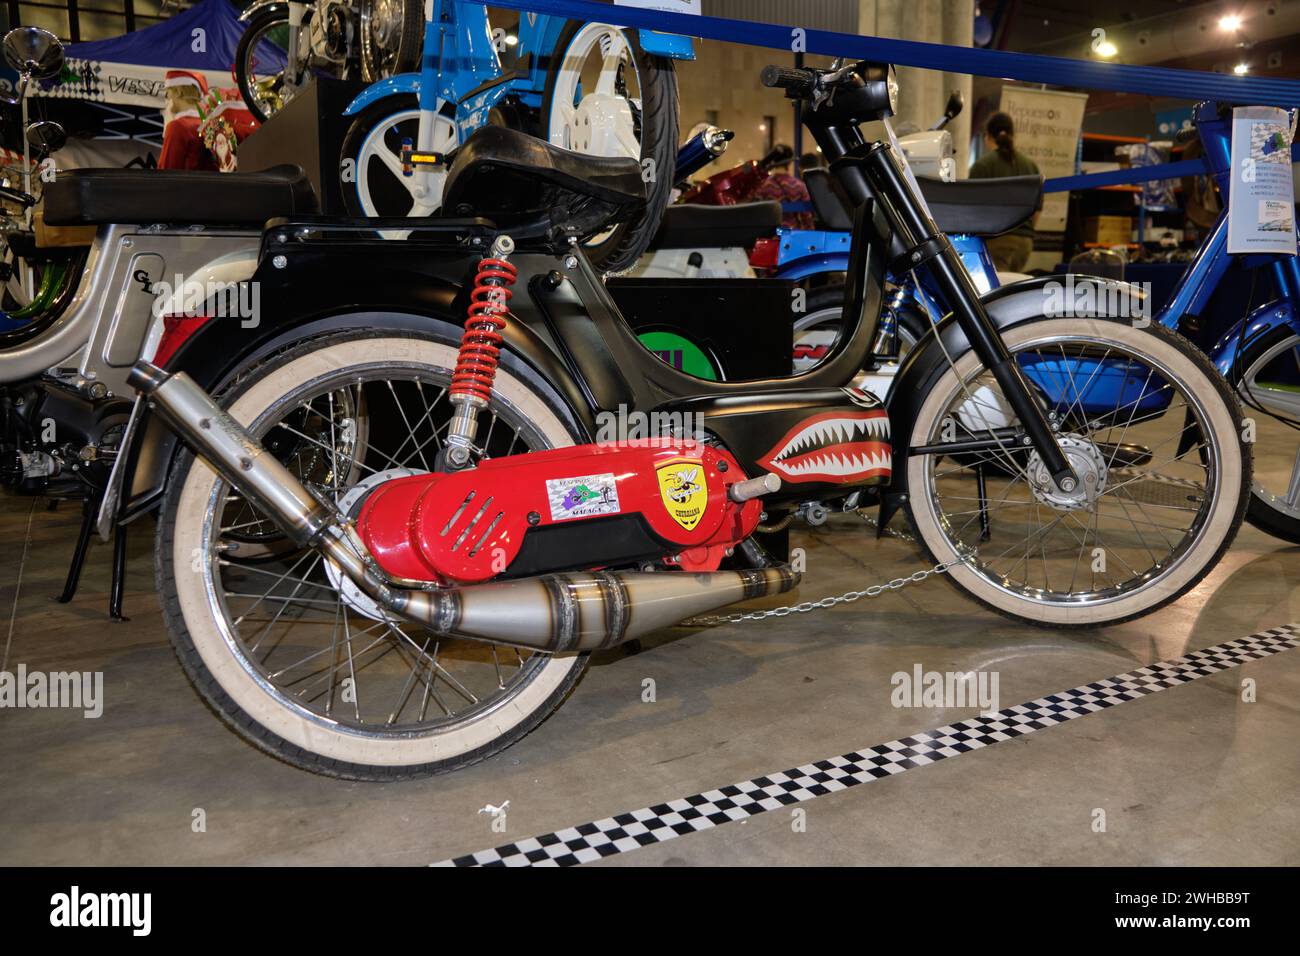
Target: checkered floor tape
(704, 811)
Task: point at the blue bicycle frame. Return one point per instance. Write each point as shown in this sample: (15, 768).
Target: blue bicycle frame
(461, 71)
(805, 253)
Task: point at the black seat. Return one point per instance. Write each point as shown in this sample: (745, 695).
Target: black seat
(983, 207)
(978, 207)
(527, 186)
(829, 204)
(91, 197)
(691, 226)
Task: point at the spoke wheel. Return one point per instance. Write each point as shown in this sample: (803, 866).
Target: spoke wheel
(1152, 433)
(261, 62)
(1269, 386)
(311, 672)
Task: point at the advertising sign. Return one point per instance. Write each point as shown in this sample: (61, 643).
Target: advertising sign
(1048, 123)
(1261, 200)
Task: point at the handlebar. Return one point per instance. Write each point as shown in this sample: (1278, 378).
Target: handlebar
(15, 195)
(794, 82)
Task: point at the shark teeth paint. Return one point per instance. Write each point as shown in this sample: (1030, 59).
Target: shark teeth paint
(841, 447)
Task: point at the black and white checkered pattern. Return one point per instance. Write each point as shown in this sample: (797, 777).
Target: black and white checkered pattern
(703, 811)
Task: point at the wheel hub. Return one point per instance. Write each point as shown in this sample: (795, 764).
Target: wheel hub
(1089, 469)
(350, 504)
(386, 23)
(602, 125)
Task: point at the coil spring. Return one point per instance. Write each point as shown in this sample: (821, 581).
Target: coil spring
(480, 347)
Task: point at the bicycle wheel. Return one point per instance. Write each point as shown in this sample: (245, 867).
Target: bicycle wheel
(1153, 433)
(1267, 377)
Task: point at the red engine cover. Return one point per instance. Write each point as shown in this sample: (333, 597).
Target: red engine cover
(468, 526)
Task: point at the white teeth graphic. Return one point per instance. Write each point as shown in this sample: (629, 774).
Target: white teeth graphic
(835, 465)
(835, 431)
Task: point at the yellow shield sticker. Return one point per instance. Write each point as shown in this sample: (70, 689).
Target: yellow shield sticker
(684, 490)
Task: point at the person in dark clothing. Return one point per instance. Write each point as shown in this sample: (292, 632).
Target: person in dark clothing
(1011, 250)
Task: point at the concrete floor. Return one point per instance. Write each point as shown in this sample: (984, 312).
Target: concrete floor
(1189, 776)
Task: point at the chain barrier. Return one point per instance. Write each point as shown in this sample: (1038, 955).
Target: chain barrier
(875, 590)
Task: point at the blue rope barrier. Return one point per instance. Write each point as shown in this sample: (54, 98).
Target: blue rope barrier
(1026, 67)
(1126, 177)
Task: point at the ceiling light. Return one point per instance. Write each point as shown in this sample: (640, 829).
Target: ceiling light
(1230, 23)
(1241, 69)
(1107, 49)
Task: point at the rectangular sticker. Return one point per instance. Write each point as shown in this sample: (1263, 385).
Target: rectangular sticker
(582, 497)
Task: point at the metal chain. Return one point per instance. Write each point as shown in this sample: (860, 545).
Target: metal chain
(916, 577)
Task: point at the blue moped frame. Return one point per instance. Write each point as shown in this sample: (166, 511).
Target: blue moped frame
(459, 65)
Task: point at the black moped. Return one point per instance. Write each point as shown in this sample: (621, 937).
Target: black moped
(409, 507)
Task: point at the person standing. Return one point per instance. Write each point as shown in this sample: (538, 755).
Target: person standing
(1010, 251)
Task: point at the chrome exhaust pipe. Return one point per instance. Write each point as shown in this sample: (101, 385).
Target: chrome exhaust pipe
(579, 611)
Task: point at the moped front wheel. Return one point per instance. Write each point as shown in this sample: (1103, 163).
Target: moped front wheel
(261, 62)
(297, 662)
(374, 182)
(1154, 436)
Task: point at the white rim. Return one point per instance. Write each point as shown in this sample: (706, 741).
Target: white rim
(444, 140)
(571, 119)
(1224, 480)
(219, 647)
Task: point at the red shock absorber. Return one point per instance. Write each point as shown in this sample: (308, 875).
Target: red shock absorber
(480, 347)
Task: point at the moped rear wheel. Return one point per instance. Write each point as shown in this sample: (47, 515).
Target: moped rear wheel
(293, 660)
(606, 96)
(1154, 435)
(1267, 378)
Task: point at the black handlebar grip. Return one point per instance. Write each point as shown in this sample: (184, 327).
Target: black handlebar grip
(14, 195)
(801, 82)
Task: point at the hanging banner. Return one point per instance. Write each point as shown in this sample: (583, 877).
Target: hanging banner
(1048, 124)
(1261, 200)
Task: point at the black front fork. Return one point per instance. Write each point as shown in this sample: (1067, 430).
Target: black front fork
(925, 247)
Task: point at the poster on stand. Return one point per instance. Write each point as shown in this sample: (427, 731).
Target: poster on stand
(1261, 200)
(1048, 124)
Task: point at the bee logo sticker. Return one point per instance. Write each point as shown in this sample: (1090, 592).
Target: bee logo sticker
(684, 491)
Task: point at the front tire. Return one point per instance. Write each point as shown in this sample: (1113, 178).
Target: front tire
(1157, 527)
(259, 661)
(263, 94)
(372, 157)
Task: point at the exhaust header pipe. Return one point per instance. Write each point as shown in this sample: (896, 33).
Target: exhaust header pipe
(579, 611)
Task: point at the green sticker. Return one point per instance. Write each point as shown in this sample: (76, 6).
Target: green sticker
(681, 353)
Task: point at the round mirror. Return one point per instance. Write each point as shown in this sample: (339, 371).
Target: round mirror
(46, 136)
(33, 50)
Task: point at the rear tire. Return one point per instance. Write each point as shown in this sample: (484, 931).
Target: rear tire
(231, 666)
(624, 244)
(1269, 510)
